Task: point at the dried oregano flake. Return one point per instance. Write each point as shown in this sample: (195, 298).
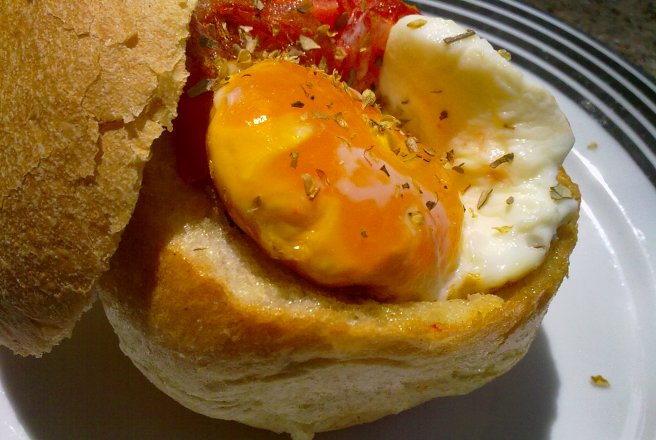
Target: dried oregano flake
(468, 33)
(505, 54)
(506, 158)
(560, 192)
(416, 24)
(368, 98)
(337, 117)
(599, 381)
(244, 59)
(311, 188)
(459, 168)
(293, 159)
(411, 144)
(256, 204)
(483, 198)
(307, 43)
(416, 217)
(202, 86)
(503, 229)
(208, 43)
(322, 176)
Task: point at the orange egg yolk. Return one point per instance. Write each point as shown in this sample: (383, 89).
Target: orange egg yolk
(324, 182)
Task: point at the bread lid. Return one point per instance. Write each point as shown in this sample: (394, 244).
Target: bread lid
(86, 87)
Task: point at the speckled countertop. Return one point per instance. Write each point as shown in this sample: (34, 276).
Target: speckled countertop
(626, 26)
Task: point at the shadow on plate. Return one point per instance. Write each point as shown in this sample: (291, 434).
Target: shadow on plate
(87, 389)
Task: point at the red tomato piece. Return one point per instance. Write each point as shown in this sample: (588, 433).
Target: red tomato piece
(354, 47)
(326, 11)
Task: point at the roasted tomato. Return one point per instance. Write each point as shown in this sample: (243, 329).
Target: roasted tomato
(345, 36)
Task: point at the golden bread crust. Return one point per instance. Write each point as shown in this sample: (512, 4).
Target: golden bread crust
(85, 89)
(214, 323)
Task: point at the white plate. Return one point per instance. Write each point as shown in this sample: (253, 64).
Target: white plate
(603, 321)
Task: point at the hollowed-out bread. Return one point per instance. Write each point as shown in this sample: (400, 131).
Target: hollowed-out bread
(229, 333)
(85, 87)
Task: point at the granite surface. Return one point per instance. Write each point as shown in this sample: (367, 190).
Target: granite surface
(626, 26)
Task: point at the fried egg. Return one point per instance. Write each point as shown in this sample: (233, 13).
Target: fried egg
(340, 192)
(327, 184)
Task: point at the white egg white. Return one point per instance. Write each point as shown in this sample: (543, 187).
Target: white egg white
(458, 93)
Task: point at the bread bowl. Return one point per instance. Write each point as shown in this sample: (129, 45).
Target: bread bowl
(231, 333)
(245, 340)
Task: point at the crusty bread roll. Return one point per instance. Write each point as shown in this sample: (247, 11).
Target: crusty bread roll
(85, 88)
(226, 331)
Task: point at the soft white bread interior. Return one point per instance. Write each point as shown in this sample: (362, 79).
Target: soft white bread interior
(85, 88)
(227, 332)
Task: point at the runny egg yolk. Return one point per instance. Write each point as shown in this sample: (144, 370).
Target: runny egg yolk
(324, 182)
